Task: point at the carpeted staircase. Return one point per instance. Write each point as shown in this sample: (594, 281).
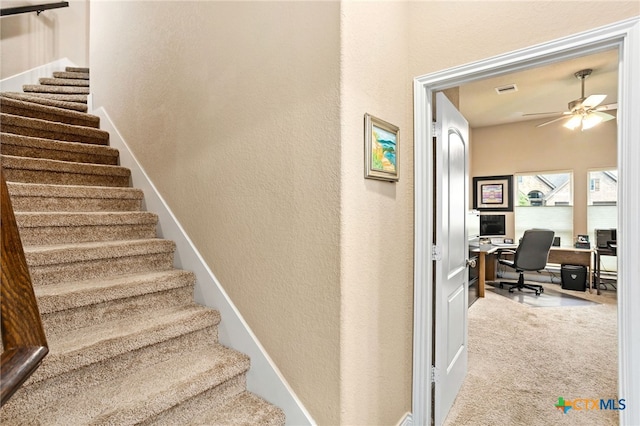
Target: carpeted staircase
(128, 345)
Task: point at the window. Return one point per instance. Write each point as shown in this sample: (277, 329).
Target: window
(545, 200)
(602, 207)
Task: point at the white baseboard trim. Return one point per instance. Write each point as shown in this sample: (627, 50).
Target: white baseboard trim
(263, 378)
(406, 420)
(15, 82)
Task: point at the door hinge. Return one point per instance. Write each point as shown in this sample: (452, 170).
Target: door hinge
(434, 374)
(434, 129)
(436, 253)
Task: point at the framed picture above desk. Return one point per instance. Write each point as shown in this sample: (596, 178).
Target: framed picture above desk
(493, 193)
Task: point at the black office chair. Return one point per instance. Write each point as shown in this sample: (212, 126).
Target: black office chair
(531, 255)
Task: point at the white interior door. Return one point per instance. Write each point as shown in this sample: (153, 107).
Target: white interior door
(451, 255)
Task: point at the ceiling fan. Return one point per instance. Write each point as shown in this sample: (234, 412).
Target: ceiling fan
(583, 112)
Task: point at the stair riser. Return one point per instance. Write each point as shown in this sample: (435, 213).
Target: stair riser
(59, 155)
(59, 363)
(54, 135)
(57, 323)
(84, 70)
(87, 120)
(212, 398)
(23, 203)
(100, 268)
(74, 382)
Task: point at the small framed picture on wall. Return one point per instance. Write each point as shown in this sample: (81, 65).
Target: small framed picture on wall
(493, 193)
(381, 148)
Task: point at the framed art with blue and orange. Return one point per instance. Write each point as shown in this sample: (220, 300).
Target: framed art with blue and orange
(382, 142)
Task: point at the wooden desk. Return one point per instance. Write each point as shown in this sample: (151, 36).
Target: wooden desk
(487, 259)
(575, 256)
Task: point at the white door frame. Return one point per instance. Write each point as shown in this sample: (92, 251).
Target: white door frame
(625, 36)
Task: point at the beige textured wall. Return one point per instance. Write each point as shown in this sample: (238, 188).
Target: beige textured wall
(233, 110)
(30, 40)
(377, 219)
(452, 33)
(521, 147)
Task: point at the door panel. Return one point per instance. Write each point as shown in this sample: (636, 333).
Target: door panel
(451, 272)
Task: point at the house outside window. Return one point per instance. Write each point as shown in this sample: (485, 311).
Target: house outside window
(545, 200)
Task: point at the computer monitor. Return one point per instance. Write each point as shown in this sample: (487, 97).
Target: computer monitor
(605, 236)
(492, 225)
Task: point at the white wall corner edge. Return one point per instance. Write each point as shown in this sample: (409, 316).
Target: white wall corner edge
(263, 378)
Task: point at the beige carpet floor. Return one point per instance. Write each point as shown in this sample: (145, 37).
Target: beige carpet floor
(523, 358)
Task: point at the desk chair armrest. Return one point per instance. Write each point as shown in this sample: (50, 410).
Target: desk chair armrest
(508, 252)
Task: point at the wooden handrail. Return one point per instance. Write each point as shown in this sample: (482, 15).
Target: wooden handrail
(23, 340)
(38, 8)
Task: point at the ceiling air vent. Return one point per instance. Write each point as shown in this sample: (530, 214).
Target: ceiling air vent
(507, 89)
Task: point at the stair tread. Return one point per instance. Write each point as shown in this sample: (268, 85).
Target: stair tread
(68, 295)
(59, 81)
(34, 197)
(58, 90)
(73, 191)
(77, 252)
(101, 136)
(142, 393)
(62, 97)
(51, 144)
(71, 74)
(75, 106)
(52, 110)
(14, 162)
(246, 408)
(40, 219)
(97, 334)
(78, 348)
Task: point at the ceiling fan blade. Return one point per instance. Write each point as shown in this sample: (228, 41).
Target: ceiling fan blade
(606, 107)
(551, 121)
(593, 101)
(544, 113)
(604, 115)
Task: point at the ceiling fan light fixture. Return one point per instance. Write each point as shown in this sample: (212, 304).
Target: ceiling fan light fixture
(573, 122)
(590, 120)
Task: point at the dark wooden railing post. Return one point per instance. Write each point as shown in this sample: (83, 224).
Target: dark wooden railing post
(23, 340)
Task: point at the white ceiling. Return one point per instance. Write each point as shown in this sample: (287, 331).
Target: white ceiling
(544, 89)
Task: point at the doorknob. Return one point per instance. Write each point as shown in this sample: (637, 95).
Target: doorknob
(471, 263)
